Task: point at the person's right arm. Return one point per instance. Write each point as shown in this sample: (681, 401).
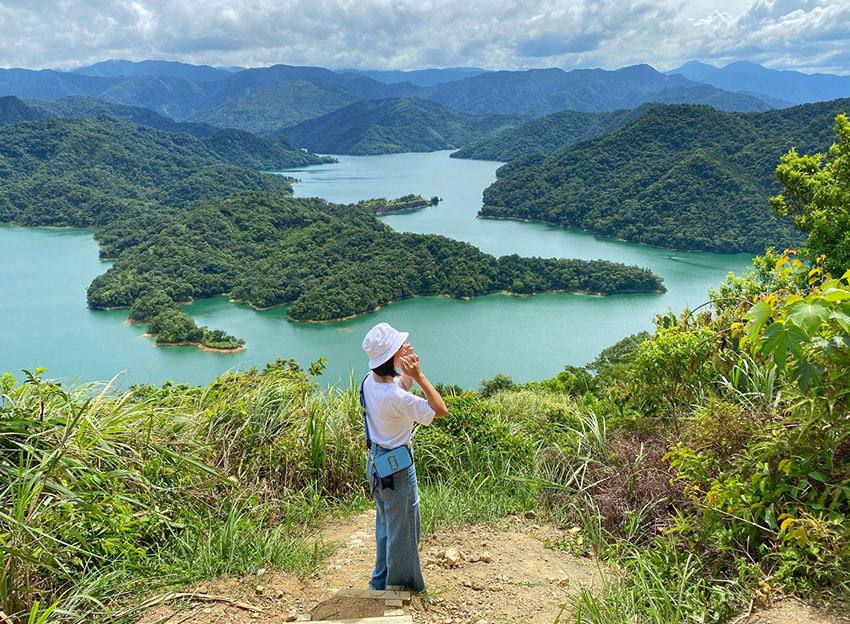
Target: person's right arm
(410, 366)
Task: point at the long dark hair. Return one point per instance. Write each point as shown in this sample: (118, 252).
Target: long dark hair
(386, 368)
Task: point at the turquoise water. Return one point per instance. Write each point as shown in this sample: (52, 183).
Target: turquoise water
(44, 274)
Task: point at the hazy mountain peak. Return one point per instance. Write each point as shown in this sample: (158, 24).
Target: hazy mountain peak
(114, 68)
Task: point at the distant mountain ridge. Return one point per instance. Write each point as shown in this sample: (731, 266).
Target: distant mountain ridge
(419, 77)
(115, 68)
(543, 91)
(533, 92)
(792, 86)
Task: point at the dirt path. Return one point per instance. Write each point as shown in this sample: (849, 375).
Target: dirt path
(477, 576)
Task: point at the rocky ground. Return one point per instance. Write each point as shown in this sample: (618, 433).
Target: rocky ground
(478, 575)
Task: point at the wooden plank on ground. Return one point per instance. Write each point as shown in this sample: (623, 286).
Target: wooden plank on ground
(386, 594)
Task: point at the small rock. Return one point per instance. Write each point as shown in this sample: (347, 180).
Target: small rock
(486, 557)
(453, 557)
(475, 558)
(260, 589)
(291, 616)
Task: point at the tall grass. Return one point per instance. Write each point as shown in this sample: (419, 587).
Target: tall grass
(104, 494)
(660, 584)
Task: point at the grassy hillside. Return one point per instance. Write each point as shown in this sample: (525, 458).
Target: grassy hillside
(683, 177)
(393, 126)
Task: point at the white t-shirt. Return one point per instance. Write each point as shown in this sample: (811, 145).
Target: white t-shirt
(391, 412)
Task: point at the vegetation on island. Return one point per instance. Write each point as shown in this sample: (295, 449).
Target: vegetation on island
(707, 463)
(393, 126)
(329, 261)
(680, 177)
(382, 205)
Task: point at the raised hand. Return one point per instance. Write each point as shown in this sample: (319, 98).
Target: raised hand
(410, 365)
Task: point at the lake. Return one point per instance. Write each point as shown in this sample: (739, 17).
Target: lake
(44, 274)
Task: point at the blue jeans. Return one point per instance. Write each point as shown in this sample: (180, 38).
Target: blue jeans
(397, 531)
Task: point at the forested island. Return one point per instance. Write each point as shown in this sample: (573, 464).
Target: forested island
(330, 261)
(683, 177)
(381, 206)
(186, 217)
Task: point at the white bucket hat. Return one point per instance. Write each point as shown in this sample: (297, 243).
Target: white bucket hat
(382, 342)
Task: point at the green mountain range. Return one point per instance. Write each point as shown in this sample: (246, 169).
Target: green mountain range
(538, 92)
(682, 177)
(89, 172)
(281, 106)
(787, 85)
(394, 126)
(548, 134)
(75, 106)
(180, 90)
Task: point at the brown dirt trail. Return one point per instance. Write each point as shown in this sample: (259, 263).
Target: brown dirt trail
(478, 575)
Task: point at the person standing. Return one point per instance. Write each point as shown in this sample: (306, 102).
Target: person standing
(391, 412)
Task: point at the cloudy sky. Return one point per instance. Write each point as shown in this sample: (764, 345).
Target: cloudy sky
(806, 35)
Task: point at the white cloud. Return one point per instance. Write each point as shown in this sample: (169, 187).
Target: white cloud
(409, 34)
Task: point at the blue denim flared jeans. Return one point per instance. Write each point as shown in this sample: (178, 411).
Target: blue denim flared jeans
(397, 530)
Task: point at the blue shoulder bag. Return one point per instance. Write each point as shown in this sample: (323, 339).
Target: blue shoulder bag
(387, 464)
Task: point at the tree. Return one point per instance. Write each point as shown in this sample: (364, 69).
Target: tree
(817, 193)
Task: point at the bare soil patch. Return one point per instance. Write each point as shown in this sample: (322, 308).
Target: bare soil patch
(476, 575)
